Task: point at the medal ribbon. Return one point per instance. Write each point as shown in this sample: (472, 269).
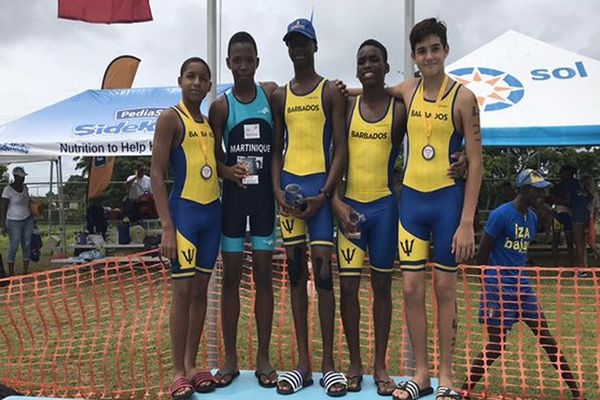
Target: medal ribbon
(436, 108)
(202, 142)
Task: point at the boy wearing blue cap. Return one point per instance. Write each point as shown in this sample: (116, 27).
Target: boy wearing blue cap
(508, 297)
(308, 115)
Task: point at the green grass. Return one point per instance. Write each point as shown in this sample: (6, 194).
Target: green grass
(90, 331)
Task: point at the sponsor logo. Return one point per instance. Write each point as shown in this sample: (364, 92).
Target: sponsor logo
(136, 113)
(543, 74)
(16, 147)
(145, 126)
(134, 120)
(407, 246)
(100, 161)
(495, 90)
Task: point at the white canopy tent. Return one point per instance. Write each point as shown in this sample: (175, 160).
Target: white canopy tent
(532, 93)
(113, 122)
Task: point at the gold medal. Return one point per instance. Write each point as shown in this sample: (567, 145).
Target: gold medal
(206, 171)
(428, 152)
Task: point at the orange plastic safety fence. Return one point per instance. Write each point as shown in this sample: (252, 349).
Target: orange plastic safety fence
(100, 330)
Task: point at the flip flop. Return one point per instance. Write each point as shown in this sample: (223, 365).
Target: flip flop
(200, 379)
(331, 378)
(262, 376)
(220, 378)
(413, 390)
(380, 383)
(295, 379)
(181, 383)
(354, 383)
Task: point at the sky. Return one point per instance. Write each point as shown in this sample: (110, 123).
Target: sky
(44, 59)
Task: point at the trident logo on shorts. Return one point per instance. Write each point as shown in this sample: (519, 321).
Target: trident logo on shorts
(407, 246)
(348, 254)
(188, 255)
(288, 225)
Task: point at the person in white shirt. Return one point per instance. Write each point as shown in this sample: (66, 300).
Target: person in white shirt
(138, 184)
(17, 219)
(139, 194)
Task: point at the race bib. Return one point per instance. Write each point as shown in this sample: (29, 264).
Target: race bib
(252, 131)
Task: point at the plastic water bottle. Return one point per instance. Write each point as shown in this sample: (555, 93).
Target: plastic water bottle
(357, 219)
(293, 195)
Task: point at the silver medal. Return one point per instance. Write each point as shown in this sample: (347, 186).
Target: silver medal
(206, 171)
(428, 152)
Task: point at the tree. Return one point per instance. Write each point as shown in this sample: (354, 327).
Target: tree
(115, 193)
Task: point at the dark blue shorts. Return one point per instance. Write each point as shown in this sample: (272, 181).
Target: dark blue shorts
(581, 215)
(505, 305)
(320, 226)
(255, 206)
(198, 230)
(379, 234)
(424, 216)
(562, 221)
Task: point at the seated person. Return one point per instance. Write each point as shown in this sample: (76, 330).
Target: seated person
(140, 201)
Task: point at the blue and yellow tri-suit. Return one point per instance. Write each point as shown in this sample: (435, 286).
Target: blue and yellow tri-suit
(430, 202)
(194, 200)
(370, 191)
(306, 163)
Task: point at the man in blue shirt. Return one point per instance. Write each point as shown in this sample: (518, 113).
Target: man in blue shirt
(508, 297)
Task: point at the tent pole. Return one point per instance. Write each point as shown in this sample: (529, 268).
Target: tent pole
(213, 299)
(51, 197)
(409, 69)
(211, 48)
(61, 204)
(409, 21)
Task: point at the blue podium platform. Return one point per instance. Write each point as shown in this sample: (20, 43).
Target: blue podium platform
(245, 387)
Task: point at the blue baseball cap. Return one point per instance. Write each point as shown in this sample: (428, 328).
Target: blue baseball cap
(530, 177)
(303, 27)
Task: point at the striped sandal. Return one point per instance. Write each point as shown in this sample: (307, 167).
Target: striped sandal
(331, 378)
(413, 390)
(181, 389)
(204, 382)
(295, 379)
(444, 391)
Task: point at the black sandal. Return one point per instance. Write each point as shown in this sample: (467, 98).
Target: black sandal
(262, 376)
(354, 383)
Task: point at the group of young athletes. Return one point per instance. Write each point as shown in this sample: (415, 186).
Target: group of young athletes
(337, 148)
